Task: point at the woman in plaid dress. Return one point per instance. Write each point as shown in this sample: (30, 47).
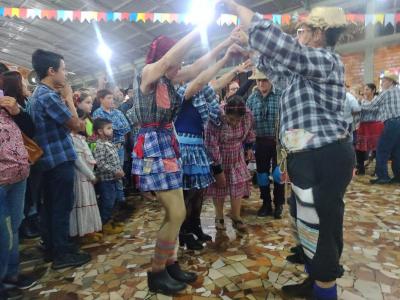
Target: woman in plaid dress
(225, 144)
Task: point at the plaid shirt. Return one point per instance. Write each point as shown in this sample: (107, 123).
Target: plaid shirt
(148, 111)
(119, 123)
(107, 160)
(49, 113)
(205, 101)
(265, 112)
(314, 97)
(387, 105)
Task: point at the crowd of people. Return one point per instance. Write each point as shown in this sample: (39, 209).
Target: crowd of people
(68, 157)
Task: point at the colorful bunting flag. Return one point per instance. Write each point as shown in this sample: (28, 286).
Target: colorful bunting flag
(224, 20)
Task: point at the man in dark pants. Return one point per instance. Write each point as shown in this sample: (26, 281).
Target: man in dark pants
(264, 104)
(54, 115)
(312, 130)
(388, 104)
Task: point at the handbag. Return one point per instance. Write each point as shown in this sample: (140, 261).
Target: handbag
(34, 151)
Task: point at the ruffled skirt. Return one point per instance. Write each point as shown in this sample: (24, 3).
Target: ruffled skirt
(195, 162)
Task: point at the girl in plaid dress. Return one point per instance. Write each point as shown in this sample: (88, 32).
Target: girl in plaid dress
(225, 144)
(155, 158)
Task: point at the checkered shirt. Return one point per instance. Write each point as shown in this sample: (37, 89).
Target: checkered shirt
(265, 112)
(314, 97)
(49, 113)
(107, 160)
(369, 112)
(146, 109)
(388, 104)
(119, 123)
(205, 101)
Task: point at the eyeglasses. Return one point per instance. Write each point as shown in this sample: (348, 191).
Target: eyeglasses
(300, 31)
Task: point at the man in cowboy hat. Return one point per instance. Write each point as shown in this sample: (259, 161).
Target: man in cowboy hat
(388, 104)
(313, 131)
(264, 104)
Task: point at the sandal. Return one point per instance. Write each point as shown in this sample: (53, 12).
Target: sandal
(219, 224)
(239, 225)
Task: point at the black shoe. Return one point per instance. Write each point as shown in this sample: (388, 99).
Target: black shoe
(11, 294)
(189, 240)
(360, 172)
(163, 283)
(296, 258)
(198, 231)
(278, 212)
(176, 273)
(24, 282)
(265, 210)
(395, 180)
(302, 290)
(380, 181)
(296, 249)
(71, 260)
(29, 228)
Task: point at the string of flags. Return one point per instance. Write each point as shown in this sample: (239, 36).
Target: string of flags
(225, 19)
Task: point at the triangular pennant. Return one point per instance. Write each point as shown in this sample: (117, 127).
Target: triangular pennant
(8, 11)
(379, 18)
(369, 19)
(286, 19)
(132, 17)
(389, 19)
(15, 12)
(101, 16)
(277, 19)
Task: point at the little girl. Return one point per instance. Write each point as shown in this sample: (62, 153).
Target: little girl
(225, 144)
(85, 218)
(84, 104)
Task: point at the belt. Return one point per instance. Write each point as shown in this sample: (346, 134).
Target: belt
(340, 141)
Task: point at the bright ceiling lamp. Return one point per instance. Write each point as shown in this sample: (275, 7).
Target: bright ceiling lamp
(202, 12)
(104, 51)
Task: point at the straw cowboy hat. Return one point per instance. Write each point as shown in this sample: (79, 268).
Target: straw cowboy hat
(257, 75)
(326, 17)
(391, 75)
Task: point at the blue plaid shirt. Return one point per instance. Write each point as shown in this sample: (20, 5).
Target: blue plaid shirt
(313, 99)
(119, 123)
(49, 113)
(265, 112)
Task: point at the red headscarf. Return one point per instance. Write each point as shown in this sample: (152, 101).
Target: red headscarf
(158, 48)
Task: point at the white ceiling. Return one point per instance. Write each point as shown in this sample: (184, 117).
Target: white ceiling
(77, 42)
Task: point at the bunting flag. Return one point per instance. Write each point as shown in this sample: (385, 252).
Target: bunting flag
(224, 20)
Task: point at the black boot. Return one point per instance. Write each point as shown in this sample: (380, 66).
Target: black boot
(278, 212)
(302, 290)
(189, 240)
(265, 210)
(176, 273)
(198, 231)
(163, 283)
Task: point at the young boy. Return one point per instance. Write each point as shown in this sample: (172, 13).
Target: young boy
(120, 126)
(108, 171)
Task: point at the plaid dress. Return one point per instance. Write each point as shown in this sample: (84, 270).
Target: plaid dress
(155, 157)
(225, 145)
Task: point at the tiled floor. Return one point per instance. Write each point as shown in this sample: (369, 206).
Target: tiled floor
(252, 266)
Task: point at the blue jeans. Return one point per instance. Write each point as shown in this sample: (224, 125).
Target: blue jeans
(11, 214)
(120, 185)
(108, 196)
(58, 201)
(389, 148)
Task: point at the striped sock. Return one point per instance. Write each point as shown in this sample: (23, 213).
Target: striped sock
(174, 257)
(163, 251)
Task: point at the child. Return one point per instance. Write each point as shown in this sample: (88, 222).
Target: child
(84, 103)
(120, 127)
(225, 144)
(85, 217)
(108, 172)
